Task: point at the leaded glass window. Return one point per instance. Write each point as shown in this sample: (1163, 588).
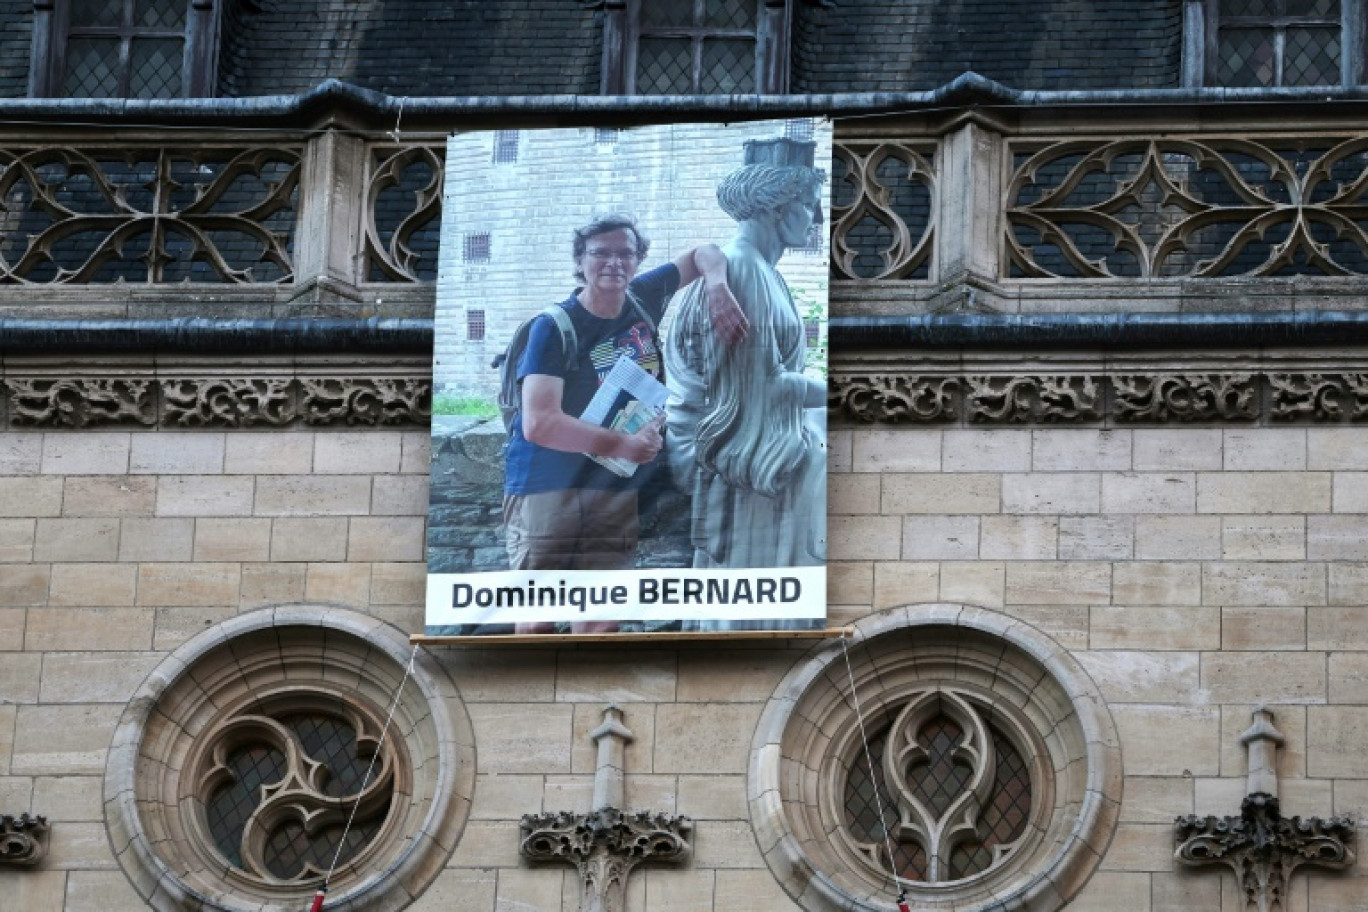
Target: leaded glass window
(953, 786)
(125, 49)
(1278, 42)
(687, 47)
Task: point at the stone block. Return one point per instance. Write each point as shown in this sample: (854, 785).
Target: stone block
(21, 452)
(601, 676)
(1263, 537)
(1264, 677)
(1112, 891)
(713, 797)
(1154, 799)
(902, 450)
(929, 538)
(1058, 583)
(108, 495)
(398, 584)
(1338, 627)
(94, 677)
(1337, 894)
(386, 538)
(1190, 746)
(1148, 492)
(64, 740)
(864, 537)
(704, 737)
(204, 495)
(1341, 537)
(1348, 677)
(937, 493)
(85, 453)
(188, 585)
(1126, 676)
(35, 891)
(839, 450)
(1156, 583)
(751, 891)
(726, 844)
(710, 674)
(1265, 449)
(165, 539)
(102, 891)
(16, 540)
(76, 540)
(484, 844)
(23, 584)
(1263, 628)
(1348, 584)
(339, 584)
(1096, 537)
(850, 582)
(309, 538)
(1176, 450)
(505, 797)
(1154, 627)
(26, 497)
(171, 453)
(173, 626)
(269, 453)
(1337, 448)
(12, 628)
(500, 675)
(522, 738)
(19, 677)
(1170, 537)
(400, 495)
(415, 451)
(670, 890)
(356, 452)
(1071, 492)
(69, 797)
(852, 494)
(1259, 584)
(79, 629)
(303, 495)
(1017, 537)
(981, 583)
(1080, 450)
(1067, 625)
(1350, 493)
(986, 451)
(232, 539)
(271, 584)
(1263, 492)
(92, 585)
(909, 583)
(459, 890)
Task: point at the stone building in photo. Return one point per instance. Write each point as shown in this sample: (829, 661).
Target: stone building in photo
(1098, 468)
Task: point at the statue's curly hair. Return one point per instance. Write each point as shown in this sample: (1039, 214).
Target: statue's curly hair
(754, 190)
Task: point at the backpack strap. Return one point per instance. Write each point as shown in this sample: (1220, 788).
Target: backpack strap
(569, 338)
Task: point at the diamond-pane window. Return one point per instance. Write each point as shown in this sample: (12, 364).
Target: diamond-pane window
(943, 764)
(695, 46)
(1278, 43)
(123, 49)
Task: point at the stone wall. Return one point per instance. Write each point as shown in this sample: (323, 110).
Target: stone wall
(1193, 572)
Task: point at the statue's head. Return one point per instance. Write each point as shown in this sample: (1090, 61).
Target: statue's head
(604, 225)
(777, 178)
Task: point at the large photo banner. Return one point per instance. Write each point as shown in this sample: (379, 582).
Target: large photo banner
(629, 379)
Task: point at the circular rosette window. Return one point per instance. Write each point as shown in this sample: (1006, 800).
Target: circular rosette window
(257, 758)
(961, 752)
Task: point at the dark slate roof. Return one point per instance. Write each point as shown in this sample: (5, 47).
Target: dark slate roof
(412, 47)
(877, 45)
(16, 33)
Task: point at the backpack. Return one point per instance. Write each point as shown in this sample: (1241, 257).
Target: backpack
(506, 363)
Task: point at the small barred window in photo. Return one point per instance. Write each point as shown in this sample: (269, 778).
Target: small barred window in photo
(475, 248)
(506, 144)
(475, 325)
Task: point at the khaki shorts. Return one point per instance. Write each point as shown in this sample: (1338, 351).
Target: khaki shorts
(575, 529)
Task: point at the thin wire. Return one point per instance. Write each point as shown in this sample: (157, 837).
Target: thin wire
(379, 747)
(873, 779)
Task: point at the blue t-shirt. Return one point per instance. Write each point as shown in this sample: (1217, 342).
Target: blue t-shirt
(533, 469)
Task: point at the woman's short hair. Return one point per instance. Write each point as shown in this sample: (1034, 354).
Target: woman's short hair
(602, 224)
(754, 190)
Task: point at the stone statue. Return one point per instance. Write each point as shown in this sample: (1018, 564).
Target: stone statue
(747, 429)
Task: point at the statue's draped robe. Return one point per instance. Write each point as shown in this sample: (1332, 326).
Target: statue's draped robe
(740, 439)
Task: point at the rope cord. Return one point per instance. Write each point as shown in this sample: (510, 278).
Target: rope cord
(873, 777)
(342, 842)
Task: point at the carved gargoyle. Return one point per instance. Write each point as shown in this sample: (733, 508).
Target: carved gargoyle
(23, 839)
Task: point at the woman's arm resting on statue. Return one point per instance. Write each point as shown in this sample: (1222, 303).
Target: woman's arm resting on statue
(546, 425)
(708, 262)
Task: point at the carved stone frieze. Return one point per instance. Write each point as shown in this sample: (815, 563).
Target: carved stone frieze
(23, 839)
(1319, 397)
(366, 402)
(227, 402)
(79, 402)
(894, 399)
(1050, 399)
(1186, 397)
